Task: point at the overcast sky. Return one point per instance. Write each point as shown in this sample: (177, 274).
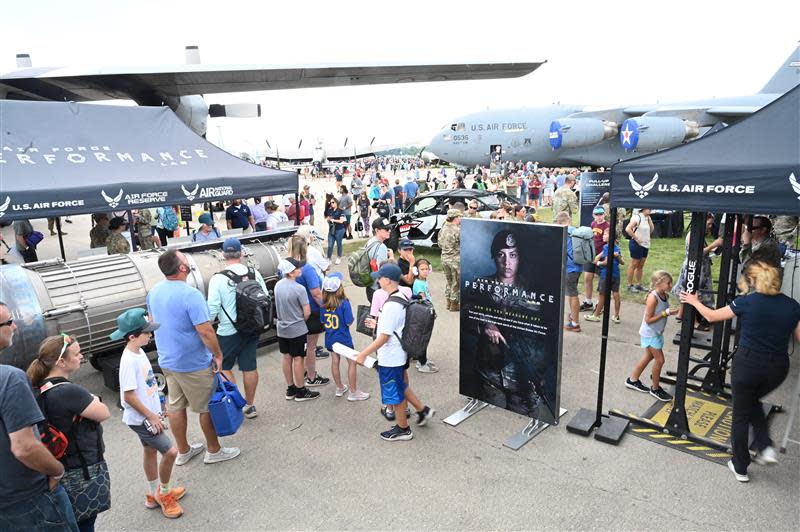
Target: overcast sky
(633, 52)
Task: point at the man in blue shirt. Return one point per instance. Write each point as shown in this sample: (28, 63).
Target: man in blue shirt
(239, 216)
(410, 189)
(186, 345)
(573, 274)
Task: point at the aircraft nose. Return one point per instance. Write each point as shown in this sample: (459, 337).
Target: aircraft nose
(435, 144)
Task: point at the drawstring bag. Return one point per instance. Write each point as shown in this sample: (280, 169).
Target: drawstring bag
(225, 407)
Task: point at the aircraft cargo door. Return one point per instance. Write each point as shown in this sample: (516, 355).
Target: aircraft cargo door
(495, 156)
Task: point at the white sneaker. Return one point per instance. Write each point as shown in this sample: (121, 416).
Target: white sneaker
(194, 450)
(224, 454)
(340, 391)
(338, 260)
(767, 456)
(740, 478)
(358, 395)
(428, 367)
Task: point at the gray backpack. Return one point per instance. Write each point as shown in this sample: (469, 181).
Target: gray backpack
(582, 245)
(418, 329)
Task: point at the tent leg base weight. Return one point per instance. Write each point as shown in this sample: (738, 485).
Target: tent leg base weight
(583, 422)
(611, 430)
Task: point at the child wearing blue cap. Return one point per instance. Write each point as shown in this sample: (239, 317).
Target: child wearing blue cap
(337, 317)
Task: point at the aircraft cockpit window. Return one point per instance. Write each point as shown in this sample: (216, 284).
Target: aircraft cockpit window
(447, 138)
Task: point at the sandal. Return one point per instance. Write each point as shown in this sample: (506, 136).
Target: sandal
(703, 328)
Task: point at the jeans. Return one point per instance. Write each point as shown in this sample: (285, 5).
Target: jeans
(336, 235)
(753, 376)
(87, 525)
(44, 511)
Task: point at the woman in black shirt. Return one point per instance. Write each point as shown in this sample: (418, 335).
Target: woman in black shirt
(336, 228)
(767, 320)
(78, 414)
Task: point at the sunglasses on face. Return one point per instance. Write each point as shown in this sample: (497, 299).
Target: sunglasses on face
(68, 341)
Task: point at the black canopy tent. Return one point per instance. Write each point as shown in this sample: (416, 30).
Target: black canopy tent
(750, 167)
(62, 158)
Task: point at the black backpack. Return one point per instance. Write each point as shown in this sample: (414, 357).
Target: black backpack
(418, 328)
(253, 304)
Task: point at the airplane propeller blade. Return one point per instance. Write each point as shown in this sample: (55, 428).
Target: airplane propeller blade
(268, 145)
(235, 110)
(300, 144)
(345, 142)
(370, 142)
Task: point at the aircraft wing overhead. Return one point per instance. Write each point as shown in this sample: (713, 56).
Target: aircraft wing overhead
(142, 84)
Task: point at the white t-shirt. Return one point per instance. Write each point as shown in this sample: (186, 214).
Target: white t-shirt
(642, 231)
(136, 373)
(391, 321)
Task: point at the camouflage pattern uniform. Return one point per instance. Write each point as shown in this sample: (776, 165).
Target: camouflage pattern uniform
(785, 229)
(144, 227)
(98, 235)
(450, 244)
(565, 200)
(116, 243)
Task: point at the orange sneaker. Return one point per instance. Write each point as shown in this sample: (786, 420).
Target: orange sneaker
(169, 506)
(151, 502)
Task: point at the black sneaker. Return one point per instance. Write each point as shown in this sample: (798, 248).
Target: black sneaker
(388, 414)
(397, 434)
(641, 288)
(304, 394)
(291, 391)
(636, 385)
(319, 380)
(661, 395)
(586, 305)
(321, 353)
(424, 415)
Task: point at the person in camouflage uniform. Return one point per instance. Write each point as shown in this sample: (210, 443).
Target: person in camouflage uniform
(786, 229)
(565, 200)
(116, 243)
(99, 233)
(450, 244)
(144, 228)
(472, 210)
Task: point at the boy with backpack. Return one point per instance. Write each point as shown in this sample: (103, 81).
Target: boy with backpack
(573, 271)
(363, 262)
(392, 356)
(142, 411)
(239, 297)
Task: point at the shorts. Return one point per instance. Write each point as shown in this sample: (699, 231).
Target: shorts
(294, 347)
(590, 267)
(637, 252)
(601, 286)
(656, 342)
(347, 218)
(393, 385)
(314, 325)
(160, 442)
(192, 389)
(572, 283)
(241, 347)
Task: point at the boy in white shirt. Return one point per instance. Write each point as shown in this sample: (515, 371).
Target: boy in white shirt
(139, 396)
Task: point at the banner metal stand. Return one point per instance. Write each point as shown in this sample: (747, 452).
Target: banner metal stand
(470, 409)
(531, 430)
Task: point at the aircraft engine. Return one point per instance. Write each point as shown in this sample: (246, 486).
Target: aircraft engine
(580, 132)
(192, 110)
(656, 132)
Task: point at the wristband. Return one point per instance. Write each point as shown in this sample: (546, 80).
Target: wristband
(665, 313)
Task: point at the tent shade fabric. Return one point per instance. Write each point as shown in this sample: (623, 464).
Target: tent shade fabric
(750, 167)
(62, 158)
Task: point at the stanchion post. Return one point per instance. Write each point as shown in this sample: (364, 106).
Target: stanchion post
(60, 238)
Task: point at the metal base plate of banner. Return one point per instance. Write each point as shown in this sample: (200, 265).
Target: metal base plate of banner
(531, 430)
(471, 408)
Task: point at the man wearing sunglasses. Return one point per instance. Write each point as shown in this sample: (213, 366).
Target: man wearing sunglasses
(758, 243)
(31, 497)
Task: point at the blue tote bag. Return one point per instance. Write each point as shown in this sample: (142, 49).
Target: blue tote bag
(225, 406)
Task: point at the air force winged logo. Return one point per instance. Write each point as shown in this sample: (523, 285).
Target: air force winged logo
(4, 206)
(642, 190)
(112, 202)
(792, 180)
(190, 195)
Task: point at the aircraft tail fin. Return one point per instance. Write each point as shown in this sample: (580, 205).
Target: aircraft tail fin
(787, 77)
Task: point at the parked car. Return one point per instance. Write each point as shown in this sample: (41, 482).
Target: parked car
(423, 218)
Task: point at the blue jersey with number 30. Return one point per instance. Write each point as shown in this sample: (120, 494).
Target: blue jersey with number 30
(337, 325)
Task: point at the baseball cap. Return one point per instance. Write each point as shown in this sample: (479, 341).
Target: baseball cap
(132, 320)
(206, 218)
(232, 245)
(454, 213)
(332, 282)
(390, 271)
(288, 265)
(381, 223)
(599, 210)
(406, 243)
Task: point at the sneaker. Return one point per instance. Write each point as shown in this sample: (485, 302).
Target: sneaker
(424, 415)
(169, 506)
(766, 456)
(339, 259)
(340, 391)
(428, 367)
(291, 391)
(250, 411)
(357, 395)
(397, 434)
(586, 305)
(661, 395)
(739, 477)
(319, 380)
(321, 353)
(640, 288)
(616, 319)
(304, 394)
(632, 289)
(574, 327)
(194, 450)
(223, 455)
(388, 414)
(591, 317)
(150, 501)
(636, 385)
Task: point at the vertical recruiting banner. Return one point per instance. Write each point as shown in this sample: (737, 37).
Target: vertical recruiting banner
(593, 186)
(511, 315)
